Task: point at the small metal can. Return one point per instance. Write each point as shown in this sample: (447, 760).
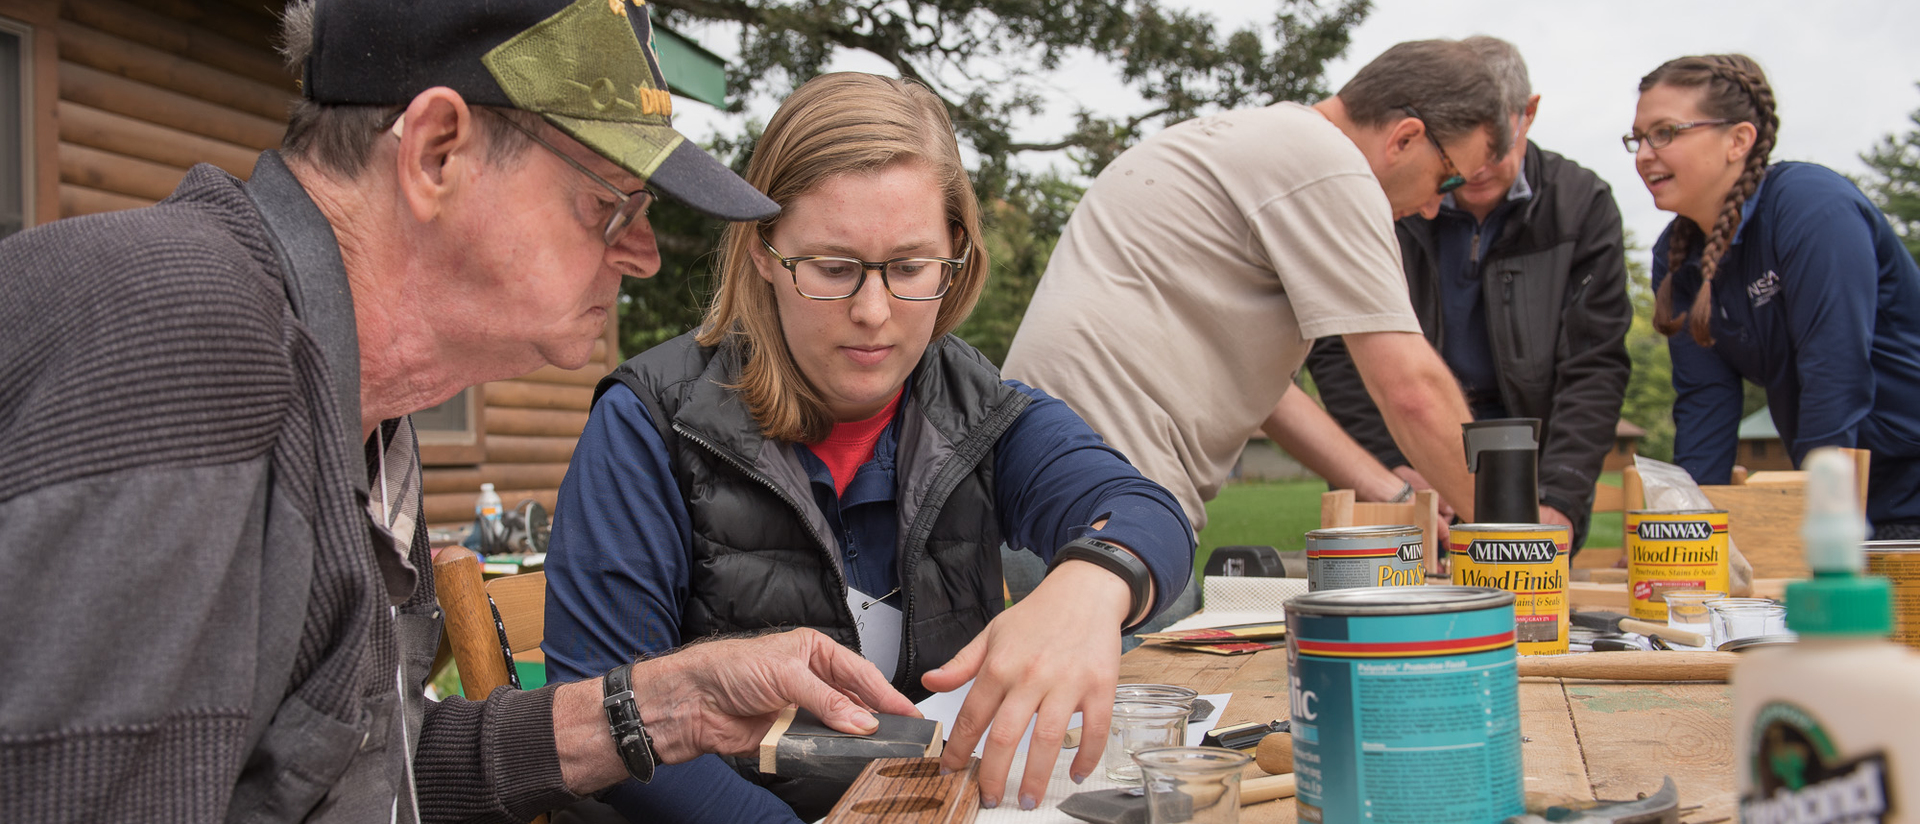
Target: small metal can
(1528, 560)
(1364, 556)
(1673, 550)
(1899, 562)
(1405, 705)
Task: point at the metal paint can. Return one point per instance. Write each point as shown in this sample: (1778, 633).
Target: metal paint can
(1405, 704)
(1364, 556)
(1899, 562)
(1528, 560)
(1670, 550)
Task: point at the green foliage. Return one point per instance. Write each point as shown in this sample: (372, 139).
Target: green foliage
(1272, 514)
(1649, 399)
(1021, 231)
(1894, 184)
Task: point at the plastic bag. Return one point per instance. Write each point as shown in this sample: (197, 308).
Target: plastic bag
(1668, 487)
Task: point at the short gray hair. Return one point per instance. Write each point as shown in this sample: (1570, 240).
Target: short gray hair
(1508, 67)
(1445, 81)
(339, 138)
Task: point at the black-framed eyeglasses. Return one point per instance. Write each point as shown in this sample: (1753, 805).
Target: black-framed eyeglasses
(825, 277)
(1454, 179)
(630, 206)
(1659, 136)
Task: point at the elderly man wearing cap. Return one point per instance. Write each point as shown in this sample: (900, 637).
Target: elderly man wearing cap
(219, 594)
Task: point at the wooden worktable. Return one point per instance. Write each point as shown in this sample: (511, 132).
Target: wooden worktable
(1584, 739)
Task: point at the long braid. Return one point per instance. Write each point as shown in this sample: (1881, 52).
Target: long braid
(1735, 89)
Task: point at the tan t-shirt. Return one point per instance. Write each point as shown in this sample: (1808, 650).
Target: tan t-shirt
(1192, 278)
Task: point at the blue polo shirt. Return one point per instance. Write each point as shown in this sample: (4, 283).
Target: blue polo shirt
(1818, 302)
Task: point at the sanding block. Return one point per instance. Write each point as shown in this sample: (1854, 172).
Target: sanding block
(799, 745)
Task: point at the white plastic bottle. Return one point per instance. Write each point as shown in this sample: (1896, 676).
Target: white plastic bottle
(487, 510)
(1828, 729)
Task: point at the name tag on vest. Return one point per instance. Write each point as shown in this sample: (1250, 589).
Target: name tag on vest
(879, 626)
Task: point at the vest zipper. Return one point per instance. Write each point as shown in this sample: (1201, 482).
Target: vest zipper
(964, 459)
(833, 563)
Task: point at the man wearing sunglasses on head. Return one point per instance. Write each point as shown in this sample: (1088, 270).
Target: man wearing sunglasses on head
(220, 591)
(1521, 282)
(1203, 262)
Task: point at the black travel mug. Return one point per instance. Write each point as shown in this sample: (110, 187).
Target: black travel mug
(1503, 454)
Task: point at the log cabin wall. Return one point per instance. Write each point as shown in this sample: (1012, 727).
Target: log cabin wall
(128, 94)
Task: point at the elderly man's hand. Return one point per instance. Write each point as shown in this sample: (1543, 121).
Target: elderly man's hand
(722, 696)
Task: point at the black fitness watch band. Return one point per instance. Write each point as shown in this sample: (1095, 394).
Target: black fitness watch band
(630, 737)
(1118, 561)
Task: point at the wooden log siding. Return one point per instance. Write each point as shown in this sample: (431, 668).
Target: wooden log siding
(150, 87)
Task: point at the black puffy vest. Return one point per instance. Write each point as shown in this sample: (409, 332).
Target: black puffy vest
(763, 555)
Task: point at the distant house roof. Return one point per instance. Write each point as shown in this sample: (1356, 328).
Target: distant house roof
(1626, 429)
(690, 69)
(1759, 427)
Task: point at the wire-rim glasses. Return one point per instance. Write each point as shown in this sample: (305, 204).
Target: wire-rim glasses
(630, 206)
(828, 277)
(1454, 179)
(1659, 137)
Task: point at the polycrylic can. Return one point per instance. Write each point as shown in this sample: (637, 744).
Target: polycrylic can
(1364, 556)
(1671, 550)
(1406, 705)
(1899, 562)
(1528, 560)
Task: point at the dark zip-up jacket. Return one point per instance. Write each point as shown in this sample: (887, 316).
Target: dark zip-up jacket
(1554, 284)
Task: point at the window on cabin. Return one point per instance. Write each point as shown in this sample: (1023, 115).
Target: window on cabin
(16, 190)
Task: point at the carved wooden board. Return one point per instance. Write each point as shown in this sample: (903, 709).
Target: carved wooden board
(909, 791)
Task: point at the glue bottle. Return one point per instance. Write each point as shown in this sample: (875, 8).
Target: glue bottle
(487, 512)
(1825, 729)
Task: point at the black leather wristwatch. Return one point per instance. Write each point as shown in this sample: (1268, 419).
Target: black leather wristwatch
(1120, 562)
(630, 737)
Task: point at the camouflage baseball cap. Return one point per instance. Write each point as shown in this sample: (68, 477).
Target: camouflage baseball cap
(587, 66)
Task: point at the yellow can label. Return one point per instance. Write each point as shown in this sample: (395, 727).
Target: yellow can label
(1673, 551)
(1528, 560)
(1902, 567)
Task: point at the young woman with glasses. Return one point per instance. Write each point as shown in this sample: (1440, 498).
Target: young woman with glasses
(824, 453)
(1783, 275)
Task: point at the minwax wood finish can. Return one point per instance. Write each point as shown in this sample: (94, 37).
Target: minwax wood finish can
(1405, 704)
(1673, 550)
(1899, 562)
(1364, 556)
(1528, 560)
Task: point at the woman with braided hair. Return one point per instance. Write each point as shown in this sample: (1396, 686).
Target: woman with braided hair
(1783, 275)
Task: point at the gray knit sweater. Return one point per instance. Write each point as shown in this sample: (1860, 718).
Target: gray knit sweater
(192, 619)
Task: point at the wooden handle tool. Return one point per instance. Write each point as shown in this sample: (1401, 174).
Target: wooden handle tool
(1630, 666)
(1615, 622)
(1275, 753)
(1266, 788)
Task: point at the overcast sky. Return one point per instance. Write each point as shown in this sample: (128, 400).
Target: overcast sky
(1843, 71)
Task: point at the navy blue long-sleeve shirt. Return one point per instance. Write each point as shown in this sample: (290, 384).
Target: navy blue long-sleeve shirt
(1818, 302)
(617, 565)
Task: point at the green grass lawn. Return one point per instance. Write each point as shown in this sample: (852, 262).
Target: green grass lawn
(1280, 514)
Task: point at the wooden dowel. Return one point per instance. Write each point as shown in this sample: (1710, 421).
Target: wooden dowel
(470, 631)
(1266, 788)
(1632, 666)
(113, 93)
(88, 126)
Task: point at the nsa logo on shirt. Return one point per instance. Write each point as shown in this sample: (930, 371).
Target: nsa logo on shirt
(1761, 291)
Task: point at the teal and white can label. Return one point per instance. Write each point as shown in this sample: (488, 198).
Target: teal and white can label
(1406, 706)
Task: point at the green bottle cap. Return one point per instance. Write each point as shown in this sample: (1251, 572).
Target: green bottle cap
(1857, 605)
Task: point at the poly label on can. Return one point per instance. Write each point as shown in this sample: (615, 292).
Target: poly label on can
(1364, 556)
(1405, 706)
(1528, 560)
(1673, 551)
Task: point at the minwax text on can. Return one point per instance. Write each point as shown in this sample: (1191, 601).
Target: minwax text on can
(1673, 551)
(1528, 560)
(1365, 556)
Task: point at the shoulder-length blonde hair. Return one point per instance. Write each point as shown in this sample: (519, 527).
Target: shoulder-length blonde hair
(835, 124)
